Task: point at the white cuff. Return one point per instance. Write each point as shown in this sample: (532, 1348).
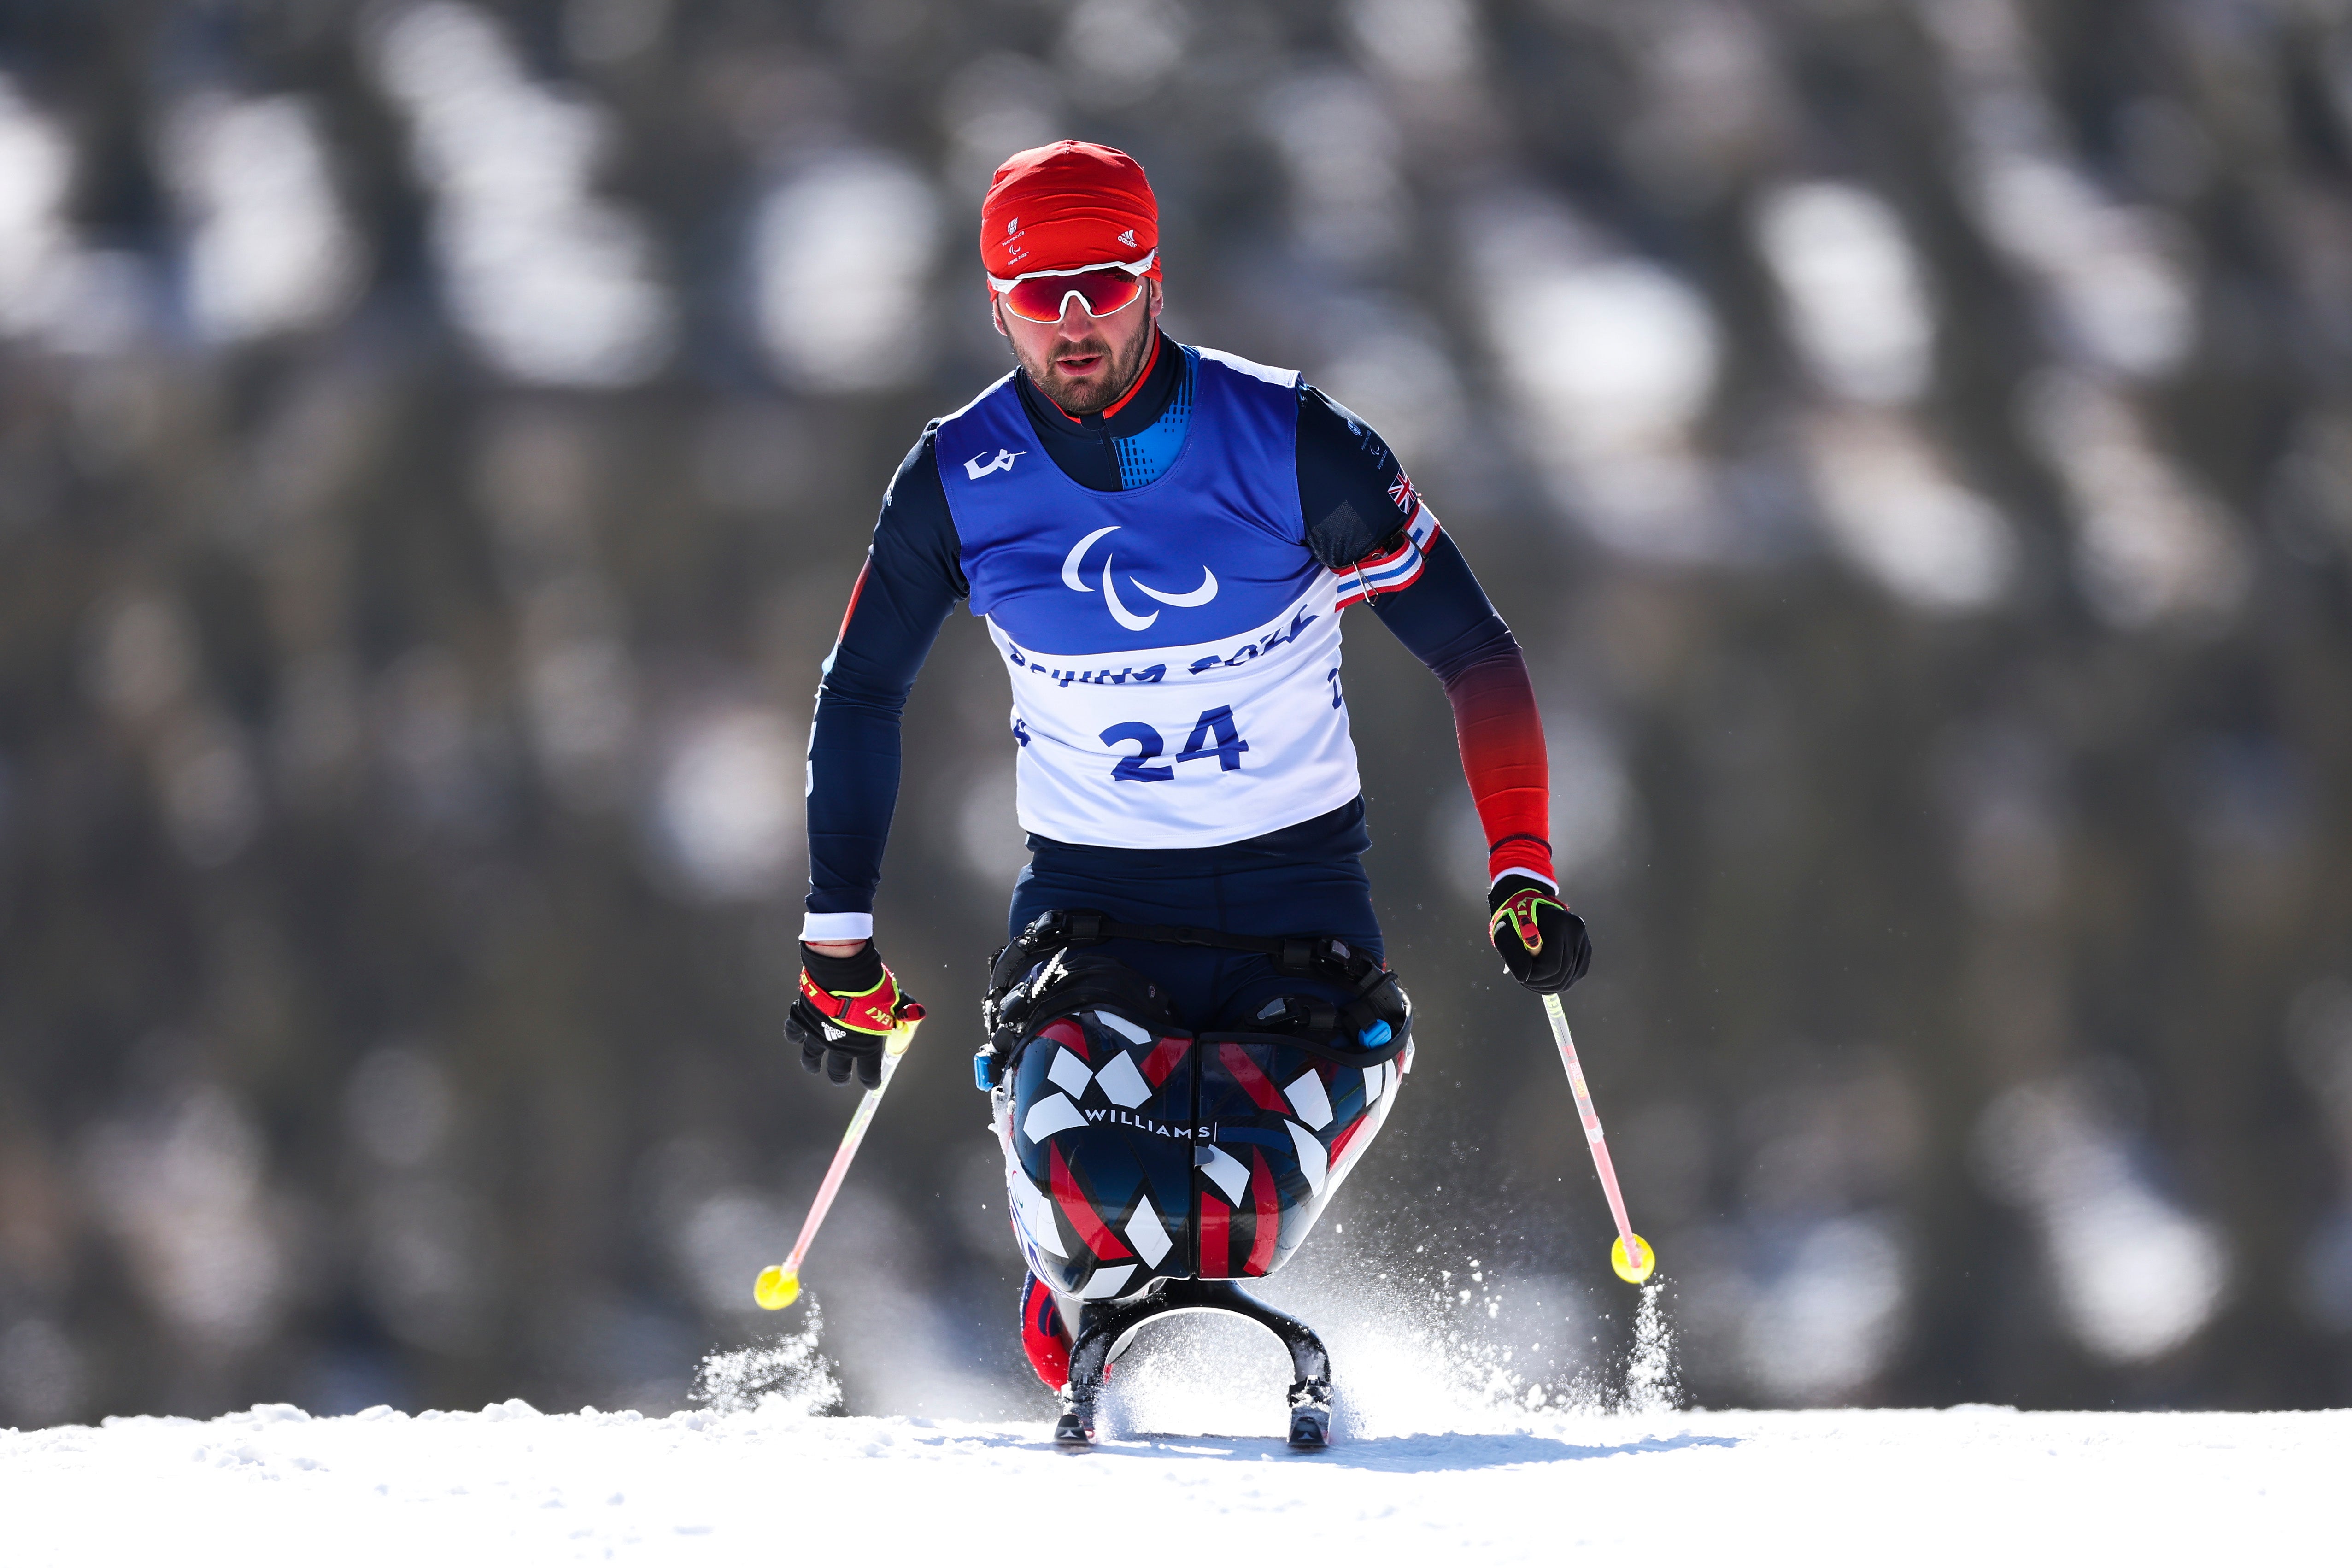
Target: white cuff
(837, 927)
(1514, 871)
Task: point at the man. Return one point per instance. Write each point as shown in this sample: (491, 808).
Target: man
(1160, 539)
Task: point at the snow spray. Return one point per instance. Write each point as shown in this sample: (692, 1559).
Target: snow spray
(786, 1373)
(1419, 1343)
(1654, 1385)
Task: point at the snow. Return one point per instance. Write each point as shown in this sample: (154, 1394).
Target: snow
(1442, 1449)
(510, 1485)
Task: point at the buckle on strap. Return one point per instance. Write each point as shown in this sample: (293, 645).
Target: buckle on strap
(1061, 928)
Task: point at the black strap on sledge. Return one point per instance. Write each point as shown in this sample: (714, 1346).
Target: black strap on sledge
(1375, 997)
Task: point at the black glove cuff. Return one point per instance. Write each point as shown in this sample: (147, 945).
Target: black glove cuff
(852, 975)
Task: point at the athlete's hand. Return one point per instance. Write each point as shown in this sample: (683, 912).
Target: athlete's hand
(847, 1009)
(1543, 944)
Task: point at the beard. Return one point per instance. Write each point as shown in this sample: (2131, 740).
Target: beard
(1095, 393)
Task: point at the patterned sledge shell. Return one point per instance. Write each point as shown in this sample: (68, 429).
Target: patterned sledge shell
(1133, 1154)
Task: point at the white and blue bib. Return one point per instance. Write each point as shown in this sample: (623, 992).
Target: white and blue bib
(1173, 648)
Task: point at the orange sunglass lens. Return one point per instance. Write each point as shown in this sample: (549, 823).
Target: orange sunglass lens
(1040, 299)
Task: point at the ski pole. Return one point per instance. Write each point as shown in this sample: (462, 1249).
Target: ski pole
(1629, 1255)
(779, 1284)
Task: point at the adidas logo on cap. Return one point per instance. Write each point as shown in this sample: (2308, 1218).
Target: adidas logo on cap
(1127, 239)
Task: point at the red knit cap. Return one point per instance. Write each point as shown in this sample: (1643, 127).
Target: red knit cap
(1066, 205)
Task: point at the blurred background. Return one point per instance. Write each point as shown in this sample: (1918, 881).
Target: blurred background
(1913, 439)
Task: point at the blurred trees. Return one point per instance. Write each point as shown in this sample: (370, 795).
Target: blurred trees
(435, 442)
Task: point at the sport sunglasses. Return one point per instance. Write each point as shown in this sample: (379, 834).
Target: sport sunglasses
(1100, 291)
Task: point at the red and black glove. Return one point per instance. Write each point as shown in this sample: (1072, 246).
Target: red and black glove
(847, 1010)
(1543, 944)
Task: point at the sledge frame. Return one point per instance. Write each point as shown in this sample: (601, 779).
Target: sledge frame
(1106, 1331)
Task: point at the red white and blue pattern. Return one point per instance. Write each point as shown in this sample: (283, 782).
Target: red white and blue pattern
(1133, 1154)
(1398, 568)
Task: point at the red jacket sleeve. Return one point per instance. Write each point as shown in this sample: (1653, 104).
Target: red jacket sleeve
(1444, 616)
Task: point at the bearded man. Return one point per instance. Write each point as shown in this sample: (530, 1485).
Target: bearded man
(1192, 1035)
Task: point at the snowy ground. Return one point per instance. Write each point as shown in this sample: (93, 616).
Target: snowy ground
(1443, 1453)
(507, 1485)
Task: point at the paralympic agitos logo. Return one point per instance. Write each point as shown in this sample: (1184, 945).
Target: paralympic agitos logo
(1072, 562)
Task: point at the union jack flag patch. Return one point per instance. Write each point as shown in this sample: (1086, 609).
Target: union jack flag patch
(1401, 492)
